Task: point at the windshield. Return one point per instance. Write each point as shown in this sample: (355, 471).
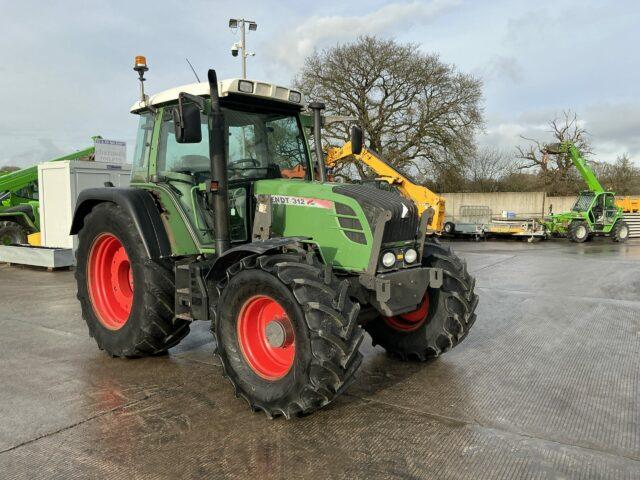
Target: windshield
(583, 202)
(259, 145)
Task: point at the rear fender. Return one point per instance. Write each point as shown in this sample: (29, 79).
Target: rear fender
(139, 204)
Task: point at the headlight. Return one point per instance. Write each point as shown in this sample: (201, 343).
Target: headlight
(410, 255)
(389, 259)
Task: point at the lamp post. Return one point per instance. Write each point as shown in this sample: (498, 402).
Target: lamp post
(241, 47)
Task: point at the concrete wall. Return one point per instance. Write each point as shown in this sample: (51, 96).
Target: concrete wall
(561, 204)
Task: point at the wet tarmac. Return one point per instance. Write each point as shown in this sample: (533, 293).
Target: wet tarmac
(547, 385)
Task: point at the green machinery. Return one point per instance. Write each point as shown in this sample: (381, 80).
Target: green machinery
(19, 205)
(595, 211)
(288, 270)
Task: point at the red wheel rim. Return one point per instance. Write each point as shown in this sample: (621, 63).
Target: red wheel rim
(410, 321)
(110, 280)
(266, 338)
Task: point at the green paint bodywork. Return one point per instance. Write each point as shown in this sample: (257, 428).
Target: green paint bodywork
(321, 224)
(585, 207)
(187, 236)
(21, 188)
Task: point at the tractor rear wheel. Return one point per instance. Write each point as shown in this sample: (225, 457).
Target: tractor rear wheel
(12, 233)
(286, 333)
(620, 231)
(127, 299)
(441, 321)
(578, 232)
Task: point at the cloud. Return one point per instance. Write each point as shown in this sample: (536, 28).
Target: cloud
(502, 67)
(294, 45)
(45, 150)
(614, 129)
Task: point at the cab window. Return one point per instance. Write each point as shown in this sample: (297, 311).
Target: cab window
(259, 145)
(143, 144)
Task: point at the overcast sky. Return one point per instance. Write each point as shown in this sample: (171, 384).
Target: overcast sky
(66, 71)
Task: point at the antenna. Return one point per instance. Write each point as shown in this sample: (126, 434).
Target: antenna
(193, 69)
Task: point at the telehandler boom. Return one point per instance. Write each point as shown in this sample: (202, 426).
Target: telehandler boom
(425, 199)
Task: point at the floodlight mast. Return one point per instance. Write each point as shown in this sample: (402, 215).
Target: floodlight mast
(242, 23)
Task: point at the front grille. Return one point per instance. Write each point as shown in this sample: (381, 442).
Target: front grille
(374, 202)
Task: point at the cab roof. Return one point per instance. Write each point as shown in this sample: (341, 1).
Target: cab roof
(225, 87)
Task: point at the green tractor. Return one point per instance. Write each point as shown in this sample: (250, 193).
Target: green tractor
(288, 271)
(19, 204)
(595, 212)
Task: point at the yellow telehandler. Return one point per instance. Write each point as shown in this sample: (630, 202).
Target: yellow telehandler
(420, 195)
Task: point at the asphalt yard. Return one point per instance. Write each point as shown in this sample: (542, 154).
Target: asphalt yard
(546, 385)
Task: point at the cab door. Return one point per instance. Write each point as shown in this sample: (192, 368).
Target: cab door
(610, 209)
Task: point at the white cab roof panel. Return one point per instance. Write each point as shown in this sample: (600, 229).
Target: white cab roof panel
(225, 87)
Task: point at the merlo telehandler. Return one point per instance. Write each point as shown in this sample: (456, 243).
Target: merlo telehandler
(595, 212)
(290, 272)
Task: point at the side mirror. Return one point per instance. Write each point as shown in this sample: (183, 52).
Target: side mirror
(186, 120)
(356, 140)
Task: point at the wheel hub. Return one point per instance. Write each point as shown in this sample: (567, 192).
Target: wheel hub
(110, 281)
(266, 338)
(581, 231)
(277, 334)
(407, 322)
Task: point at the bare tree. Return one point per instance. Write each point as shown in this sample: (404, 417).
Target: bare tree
(8, 169)
(556, 171)
(414, 109)
(621, 177)
(488, 167)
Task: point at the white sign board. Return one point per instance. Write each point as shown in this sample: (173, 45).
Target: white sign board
(110, 151)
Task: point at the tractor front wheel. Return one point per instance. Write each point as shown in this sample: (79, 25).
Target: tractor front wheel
(578, 232)
(286, 333)
(620, 231)
(127, 298)
(12, 233)
(443, 318)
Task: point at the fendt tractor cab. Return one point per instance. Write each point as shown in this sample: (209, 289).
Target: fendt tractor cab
(594, 213)
(288, 270)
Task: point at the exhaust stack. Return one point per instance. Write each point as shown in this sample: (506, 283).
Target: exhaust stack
(317, 108)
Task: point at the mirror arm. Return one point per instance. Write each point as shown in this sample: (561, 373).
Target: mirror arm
(199, 101)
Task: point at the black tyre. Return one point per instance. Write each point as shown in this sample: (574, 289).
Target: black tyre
(12, 233)
(449, 228)
(286, 333)
(620, 231)
(127, 299)
(578, 231)
(442, 320)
